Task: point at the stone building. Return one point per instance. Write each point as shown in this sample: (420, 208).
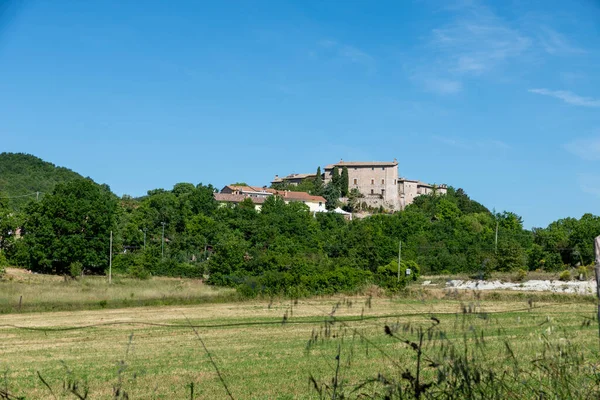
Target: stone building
(233, 194)
(375, 180)
(292, 179)
(409, 189)
(248, 191)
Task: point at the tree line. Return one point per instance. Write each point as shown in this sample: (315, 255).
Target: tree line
(284, 248)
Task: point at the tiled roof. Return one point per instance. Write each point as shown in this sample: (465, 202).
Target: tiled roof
(363, 164)
(407, 180)
(300, 196)
(250, 189)
(237, 198)
(279, 179)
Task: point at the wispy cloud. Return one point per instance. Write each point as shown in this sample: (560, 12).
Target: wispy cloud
(586, 148)
(556, 43)
(474, 43)
(490, 144)
(442, 86)
(348, 52)
(589, 183)
(478, 41)
(568, 97)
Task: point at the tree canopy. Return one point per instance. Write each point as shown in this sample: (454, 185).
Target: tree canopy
(284, 248)
(70, 225)
(22, 175)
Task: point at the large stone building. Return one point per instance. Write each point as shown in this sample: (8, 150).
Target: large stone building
(377, 181)
(409, 189)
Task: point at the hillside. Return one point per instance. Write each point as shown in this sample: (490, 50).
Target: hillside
(22, 175)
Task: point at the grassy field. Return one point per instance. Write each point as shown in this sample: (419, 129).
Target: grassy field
(267, 350)
(21, 291)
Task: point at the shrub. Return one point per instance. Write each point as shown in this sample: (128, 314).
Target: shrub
(583, 272)
(75, 269)
(3, 264)
(521, 275)
(138, 271)
(387, 275)
(565, 275)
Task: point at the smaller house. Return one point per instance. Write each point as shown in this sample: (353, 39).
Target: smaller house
(249, 191)
(236, 194)
(314, 203)
(292, 179)
(235, 199)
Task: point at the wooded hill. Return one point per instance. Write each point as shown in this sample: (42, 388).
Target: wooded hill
(22, 175)
(284, 248)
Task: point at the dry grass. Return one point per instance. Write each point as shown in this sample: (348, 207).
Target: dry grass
(258, 361)
(21, 291)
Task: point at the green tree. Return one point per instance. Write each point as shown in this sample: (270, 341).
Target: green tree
(318, 182)
(344, 182)
(336, 179)
(9, 222)
(332, 195)
(22, 175)
(71, 225)
(354, 197)
(511, 255)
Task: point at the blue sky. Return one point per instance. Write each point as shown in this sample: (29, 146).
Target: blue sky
(499, 98)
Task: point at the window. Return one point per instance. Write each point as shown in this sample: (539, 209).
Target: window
(383, 181)
(383, 168)
(356, 181)
(372, 168)
(372, 181)
(320, 203)
(382, 192)
(372, 192)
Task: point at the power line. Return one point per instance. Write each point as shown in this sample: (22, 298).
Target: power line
(21, 196)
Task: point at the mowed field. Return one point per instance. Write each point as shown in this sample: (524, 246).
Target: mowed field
(270, 349)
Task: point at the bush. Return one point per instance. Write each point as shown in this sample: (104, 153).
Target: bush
(3, 260)
(302, 283)
(583, 273)
(18, 254)
(521, 275)
(565, 275)
(75, 269)
(387, 275)
(3, 264)
(138, 271)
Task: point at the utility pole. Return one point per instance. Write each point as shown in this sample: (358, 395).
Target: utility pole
(399, 258)
(496, 245)
(110, 261)
(597, 271)
(162, 246)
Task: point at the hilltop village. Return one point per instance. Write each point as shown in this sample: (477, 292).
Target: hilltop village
(345, 187)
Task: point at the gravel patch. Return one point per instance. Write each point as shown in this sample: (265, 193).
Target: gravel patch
(578, 287)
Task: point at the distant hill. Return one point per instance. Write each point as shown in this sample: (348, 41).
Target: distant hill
(22, 175)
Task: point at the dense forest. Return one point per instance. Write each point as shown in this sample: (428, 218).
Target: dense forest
(23, 177)
(282, 249)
